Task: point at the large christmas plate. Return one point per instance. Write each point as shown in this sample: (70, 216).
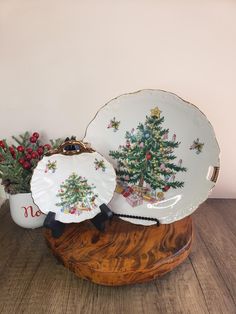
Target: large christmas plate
(73, 186)
(164, 151)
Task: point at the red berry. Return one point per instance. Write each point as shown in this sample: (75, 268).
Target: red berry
(47, 146)
(35, 134)
(12, 151)
(34, 155)
(21, 161)
(28, 157)
(26, 165)
(29, 150)
(40, 151)
(33, 139)
(2, 144)
(20, 148)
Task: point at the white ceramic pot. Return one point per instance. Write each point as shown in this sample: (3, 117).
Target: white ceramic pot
(24, 212)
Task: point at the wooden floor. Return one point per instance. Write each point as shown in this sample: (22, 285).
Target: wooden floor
(31, 280)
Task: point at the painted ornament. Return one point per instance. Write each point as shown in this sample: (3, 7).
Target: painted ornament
(166, 188)
(128, 144)
(165, 136)
(148, 156)
(162, 167)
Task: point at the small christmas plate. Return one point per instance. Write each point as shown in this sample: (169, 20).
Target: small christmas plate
(73, 186)
(164, 151)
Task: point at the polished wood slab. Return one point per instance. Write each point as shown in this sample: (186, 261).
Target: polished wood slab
(31, 281)
(125, 253)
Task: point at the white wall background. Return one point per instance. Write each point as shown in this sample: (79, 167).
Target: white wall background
(60, 60)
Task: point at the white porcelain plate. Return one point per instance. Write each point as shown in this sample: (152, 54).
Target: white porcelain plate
(164, 151)
(73, 186)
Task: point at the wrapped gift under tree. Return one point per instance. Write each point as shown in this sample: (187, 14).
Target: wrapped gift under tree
(134, 200)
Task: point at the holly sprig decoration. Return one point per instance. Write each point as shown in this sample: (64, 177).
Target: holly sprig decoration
(17, 161)
(99, 164)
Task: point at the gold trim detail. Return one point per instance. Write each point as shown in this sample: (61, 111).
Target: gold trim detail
(82, 148)
(215, 174)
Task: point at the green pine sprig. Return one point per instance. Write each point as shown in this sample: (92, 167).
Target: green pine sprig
(15, 169)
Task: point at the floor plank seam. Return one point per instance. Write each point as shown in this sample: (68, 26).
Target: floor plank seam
(29, 283)
(221, 213)
(68, 296)
(218, 270)
(199, 283)
(4, 210)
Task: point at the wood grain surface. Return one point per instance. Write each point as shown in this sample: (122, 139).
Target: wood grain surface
(125, 253)
(32, 281)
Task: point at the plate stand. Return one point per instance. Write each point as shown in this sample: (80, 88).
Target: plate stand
(125, 253)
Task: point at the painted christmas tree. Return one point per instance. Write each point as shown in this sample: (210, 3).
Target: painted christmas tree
(76, 195)
(148, 156)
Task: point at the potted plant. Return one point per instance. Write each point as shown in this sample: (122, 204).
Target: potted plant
(17, 163)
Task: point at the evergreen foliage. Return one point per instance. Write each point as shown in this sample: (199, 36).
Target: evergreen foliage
(18, 161)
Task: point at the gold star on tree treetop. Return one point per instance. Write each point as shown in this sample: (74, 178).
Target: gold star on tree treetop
(155, 112)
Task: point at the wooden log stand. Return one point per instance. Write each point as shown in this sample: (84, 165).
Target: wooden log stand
(125, 253)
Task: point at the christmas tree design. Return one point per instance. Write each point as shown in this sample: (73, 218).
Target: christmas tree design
(76, 195)
(148, 156)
